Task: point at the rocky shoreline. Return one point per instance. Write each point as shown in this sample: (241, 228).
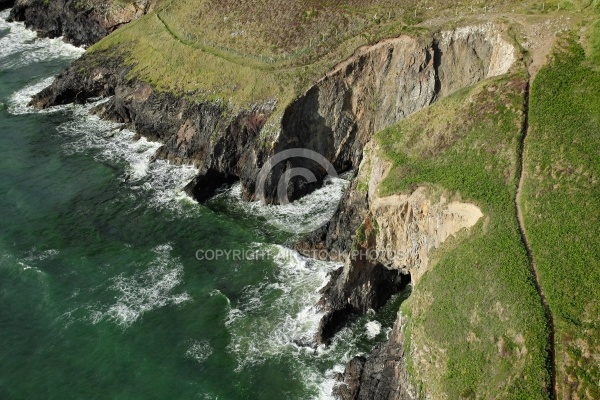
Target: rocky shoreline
(335, 118)
(78, 22)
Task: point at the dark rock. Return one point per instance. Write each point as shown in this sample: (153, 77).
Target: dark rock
(358, 287)
(223, 144)
(337, 236)
(381, 375)
(350, 379)
(4, 4)
(80, 23)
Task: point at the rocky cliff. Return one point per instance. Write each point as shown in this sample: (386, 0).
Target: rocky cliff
(391, 245)
(451, 61)
(81, 23)
(391, 248)
(337, 117)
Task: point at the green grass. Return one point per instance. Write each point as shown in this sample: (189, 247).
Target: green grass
(477, 326)
(562, 206)
(593, 43)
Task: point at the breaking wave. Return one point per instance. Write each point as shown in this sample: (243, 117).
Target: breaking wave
(145, 291)
(301, 216)
(21, 46)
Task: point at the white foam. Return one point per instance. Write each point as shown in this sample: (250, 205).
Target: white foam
(199, 350)
(323, 384)
(19, 101)
(262, 327)
(27, 267)
(145, 291)
(21, 46)
(373, 329)
(34, 255)
(278, 318)
(112, 143)
(301, 216)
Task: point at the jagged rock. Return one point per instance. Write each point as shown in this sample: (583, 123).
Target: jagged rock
(452, 60)
(356, 289)
(350, 379)
(80, 23)
(381, 375)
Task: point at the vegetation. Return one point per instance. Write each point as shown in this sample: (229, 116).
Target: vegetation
(476, 315)
(246, 52)
(298, 32)
(561, 202)
(170, 65)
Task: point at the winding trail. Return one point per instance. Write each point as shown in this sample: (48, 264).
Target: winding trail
(532, 265)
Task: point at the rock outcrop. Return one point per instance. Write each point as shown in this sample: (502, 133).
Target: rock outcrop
(382, 375)
(392, 242)
(451, 61)
(81, 23)
(397, 232)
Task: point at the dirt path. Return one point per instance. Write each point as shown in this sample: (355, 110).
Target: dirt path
(532, 265)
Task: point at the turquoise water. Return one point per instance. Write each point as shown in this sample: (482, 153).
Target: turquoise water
(101, 292)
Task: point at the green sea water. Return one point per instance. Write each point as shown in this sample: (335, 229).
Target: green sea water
(101, 291)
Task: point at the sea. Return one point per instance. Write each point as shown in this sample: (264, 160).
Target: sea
(114, 284)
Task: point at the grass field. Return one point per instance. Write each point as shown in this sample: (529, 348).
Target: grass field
(562, 206)
(477, 324)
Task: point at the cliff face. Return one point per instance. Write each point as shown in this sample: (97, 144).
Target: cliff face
(410, 225)
(382, 84)
(225, 144)
(385, 94)
(393, 243)
(397, 232)
(392, 236)
(390, 247)
(79, 22)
